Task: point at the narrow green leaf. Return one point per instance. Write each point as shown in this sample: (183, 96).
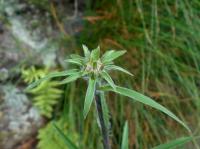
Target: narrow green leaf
(145, 100)
(106, 55)
(51, 75)
(112, 56)
(86, 51)
(95, 54)
(125, 141)
(107, 77)
(89, 96)
(174, 143)
(74, 61)
(105, 109)
(114, 67)
(67, 141)
(76, 56)
(71, 78)
(108, 63)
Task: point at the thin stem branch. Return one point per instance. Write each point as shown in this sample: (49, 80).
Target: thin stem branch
(104, 130)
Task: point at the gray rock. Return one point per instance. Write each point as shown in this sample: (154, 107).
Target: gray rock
(3, 74)
(26, 38)
(19, 120)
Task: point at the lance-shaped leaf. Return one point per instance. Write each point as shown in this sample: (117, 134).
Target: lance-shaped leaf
(89, 96)
(75, 61)
(125, 141)
(112, 56)
(41, 88)
(106, 55)
(145, 100)
(86, 51)
(51, 75)
(174, 143)
(76, 56)
(114, 67)
(95, 54)
(71, 78)
(67, 141)
(105, 109)
(107, 77)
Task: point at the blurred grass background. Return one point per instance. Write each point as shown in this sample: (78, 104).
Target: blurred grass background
(162, 42)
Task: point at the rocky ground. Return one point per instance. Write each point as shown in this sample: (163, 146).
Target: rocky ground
(28, 36)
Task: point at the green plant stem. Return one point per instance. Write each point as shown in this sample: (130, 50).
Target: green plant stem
(104, 131)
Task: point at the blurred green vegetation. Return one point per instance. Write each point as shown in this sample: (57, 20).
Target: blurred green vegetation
(53, 140)
(44, 4)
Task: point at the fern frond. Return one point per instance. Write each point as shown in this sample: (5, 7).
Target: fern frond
(49, 139)
(46, 94)
(32, 74)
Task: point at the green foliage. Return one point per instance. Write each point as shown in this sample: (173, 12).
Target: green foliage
(107, 77)
(66, 139)
(32, 74)
(49, 138)
(71, 78)
(112, 55)
(105, 109)
(145, 100)
(51, 75)
(175, 143)
(46, 94)
(86, 51)
(163, 52)
(89, 96)
(94, 69)
(114, 67)
(92, 66)
(42, 4)
(125, 141)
